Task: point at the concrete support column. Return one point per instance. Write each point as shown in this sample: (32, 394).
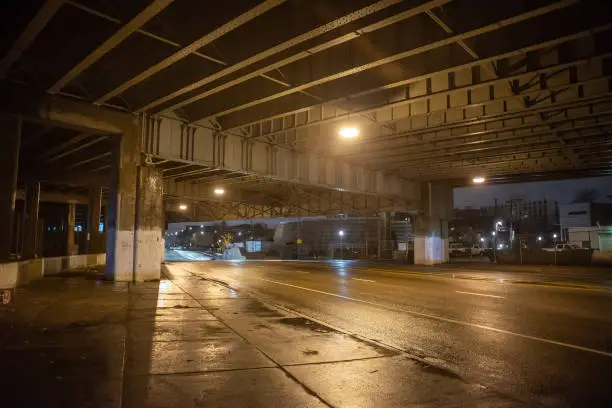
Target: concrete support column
(10, 133)
(431, 227)
(94, 216)
(31, 229)
(71, 247)
(149, 246)
(134, 213)
(121, 210)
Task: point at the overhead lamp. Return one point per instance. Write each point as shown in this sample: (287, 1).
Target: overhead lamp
(349, 132)
(219, 191)
(182, 207)
(478, 180)
(341, 233)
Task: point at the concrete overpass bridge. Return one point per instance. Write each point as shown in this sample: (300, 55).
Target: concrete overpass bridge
(144, 105)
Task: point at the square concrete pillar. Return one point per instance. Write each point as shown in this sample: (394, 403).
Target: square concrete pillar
(31, 229)
(149, 246)
(134, 214)
(94, 216)
(121, 210)
(10, 133)
(431, 226)
(71, 246)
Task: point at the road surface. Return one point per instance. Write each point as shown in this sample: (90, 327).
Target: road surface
(541, 345)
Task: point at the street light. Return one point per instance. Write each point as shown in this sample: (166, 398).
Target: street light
(219, 191)
(478, 180)
(182, 207)
(349, 132)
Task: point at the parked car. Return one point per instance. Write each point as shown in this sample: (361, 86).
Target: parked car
(562, 247)
(460, 249)
(475, 250)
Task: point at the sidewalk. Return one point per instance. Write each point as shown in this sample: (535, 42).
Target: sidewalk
(77, 341)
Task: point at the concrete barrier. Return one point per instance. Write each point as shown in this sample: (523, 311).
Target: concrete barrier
(603, 258)
(14, 274)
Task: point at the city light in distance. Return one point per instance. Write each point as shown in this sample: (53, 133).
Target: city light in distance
(219, 191)
(479, 180)
(182, 207)
(349, 132)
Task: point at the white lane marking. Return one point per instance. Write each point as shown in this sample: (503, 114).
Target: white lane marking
(480, 294)
(445, 319)
(364, 280)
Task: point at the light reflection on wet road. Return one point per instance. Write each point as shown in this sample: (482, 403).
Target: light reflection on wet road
(547, 345)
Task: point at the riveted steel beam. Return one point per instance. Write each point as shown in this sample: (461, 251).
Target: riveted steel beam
(124, 32)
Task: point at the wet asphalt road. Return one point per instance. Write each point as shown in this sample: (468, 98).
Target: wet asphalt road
(545, 346)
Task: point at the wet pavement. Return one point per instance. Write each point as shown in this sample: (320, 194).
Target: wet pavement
(219, 334)
(536, 344)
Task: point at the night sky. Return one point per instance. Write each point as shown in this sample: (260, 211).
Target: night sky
(563, 191)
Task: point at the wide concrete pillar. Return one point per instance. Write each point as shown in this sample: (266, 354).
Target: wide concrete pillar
(149, 246)
(431, 226)
(133, 226)
(94, 216)
(10, 138)
(71, 246)
(31, 229)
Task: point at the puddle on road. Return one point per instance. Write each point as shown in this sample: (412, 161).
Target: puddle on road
(303, 323)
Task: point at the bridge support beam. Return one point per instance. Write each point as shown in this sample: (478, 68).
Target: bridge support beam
(431, 228)
(149, 245)
(31, 229)
(134, 247)
(94, 217)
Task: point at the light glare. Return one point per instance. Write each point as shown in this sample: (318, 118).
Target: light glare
(219, 191)
(182, 207)
(478, 180)
(349, 132)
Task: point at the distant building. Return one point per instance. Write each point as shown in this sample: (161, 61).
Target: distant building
(585, 214)
(525, 216)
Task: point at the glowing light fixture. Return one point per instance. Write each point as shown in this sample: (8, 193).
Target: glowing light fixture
(479, 180)
(182, 207)
(349, 132)
(219, 191)
(341, 233)
(539, 238)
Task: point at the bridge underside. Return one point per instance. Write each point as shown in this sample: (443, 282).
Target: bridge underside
(127, 103)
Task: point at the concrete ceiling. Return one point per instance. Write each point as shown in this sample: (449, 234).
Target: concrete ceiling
(442, 89)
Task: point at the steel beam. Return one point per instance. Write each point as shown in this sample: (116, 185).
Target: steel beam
(88, 160)
(194, 46)
(413, 80)
(419, 50)
(124, 32)
(74, 150)
(349, 18)
(44, 15)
